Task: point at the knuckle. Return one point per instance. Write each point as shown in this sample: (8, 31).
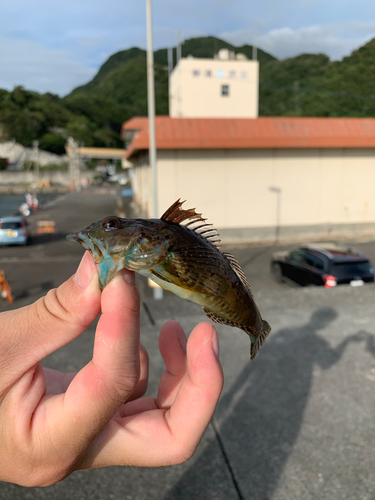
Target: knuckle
(51, 307)
(122, 386)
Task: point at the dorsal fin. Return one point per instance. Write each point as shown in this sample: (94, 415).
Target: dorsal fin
(235, 265)
(177, 214)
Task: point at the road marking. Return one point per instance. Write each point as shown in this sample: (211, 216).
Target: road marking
(55, 200)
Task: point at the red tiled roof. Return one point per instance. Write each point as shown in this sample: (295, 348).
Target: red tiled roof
(262, 132)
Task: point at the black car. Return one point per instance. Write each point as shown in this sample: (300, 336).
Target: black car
(324, 264)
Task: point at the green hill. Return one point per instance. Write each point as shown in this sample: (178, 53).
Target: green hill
(204, 47)
(306, 85)
(123, 80)
(312, 85)
(112, 63)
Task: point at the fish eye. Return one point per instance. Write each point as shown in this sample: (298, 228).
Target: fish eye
(111, 223)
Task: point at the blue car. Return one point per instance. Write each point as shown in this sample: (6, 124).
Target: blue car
(13, 231)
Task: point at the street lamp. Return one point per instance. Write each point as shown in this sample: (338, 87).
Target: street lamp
(278, 192)
(151, 109)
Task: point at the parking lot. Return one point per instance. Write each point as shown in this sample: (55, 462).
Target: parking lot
(297, 423)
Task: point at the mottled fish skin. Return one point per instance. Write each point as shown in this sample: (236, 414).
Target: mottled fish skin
(182, 258)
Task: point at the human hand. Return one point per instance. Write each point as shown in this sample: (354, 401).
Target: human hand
(53, 423)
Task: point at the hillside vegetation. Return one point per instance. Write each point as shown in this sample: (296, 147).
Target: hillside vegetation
(312, 85)
(306, 85)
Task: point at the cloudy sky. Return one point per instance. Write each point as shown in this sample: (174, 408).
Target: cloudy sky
(49, 45)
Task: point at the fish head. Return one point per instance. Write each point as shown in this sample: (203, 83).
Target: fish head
(117, 243)
(107, 241)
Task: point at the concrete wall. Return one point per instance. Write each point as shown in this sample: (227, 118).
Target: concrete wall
(17, 155)
(195, 89)
(55, 176)
(255, 194)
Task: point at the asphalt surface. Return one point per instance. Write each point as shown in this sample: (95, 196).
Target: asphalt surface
(297, 423)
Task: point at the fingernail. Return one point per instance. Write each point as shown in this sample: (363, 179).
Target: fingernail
(182, 337)
(129, 276)
(215, 343)
(86, 271)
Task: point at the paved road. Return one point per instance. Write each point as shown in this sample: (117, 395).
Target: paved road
(297, 423)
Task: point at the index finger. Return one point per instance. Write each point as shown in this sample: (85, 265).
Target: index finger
(106, 382)
(151, 436)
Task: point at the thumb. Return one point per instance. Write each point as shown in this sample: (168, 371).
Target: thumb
(34, 331)
(108, 380)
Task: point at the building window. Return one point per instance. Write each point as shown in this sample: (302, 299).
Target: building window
(196, 72)
(208, 73)
(244, 75)
(219, 73)
(225, 90)
(232, 74)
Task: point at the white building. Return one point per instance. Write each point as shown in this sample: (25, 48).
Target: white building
(253, 177)
(300, 178)
(224, 87)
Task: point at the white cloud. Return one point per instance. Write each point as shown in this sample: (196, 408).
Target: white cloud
(37, 67)
(367, 27)
(56, 46)
(326, 39)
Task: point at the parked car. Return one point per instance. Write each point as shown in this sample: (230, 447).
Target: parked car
(325, 264)
(13, 231)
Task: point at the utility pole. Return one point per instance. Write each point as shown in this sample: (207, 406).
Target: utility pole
(170, 69)
(170, 61)
(255, 49)
(151, 108)
(178, 58)
(180, 43)
(158, 292)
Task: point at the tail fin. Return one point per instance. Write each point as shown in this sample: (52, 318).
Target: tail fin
(259, 339)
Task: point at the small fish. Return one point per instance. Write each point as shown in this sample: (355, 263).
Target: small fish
(183, 259)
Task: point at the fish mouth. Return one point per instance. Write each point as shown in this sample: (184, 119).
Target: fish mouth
(106, 265)
(90, 245)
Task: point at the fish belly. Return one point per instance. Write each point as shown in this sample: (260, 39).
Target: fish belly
(183, 293)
